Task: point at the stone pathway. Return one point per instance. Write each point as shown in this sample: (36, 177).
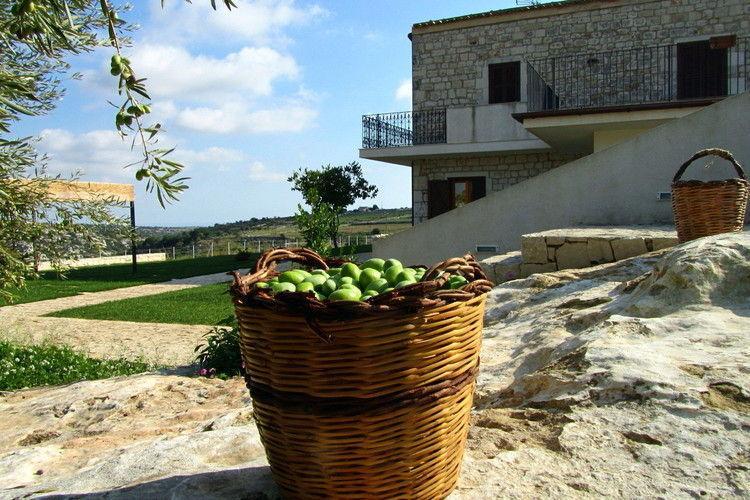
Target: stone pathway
(160, 343)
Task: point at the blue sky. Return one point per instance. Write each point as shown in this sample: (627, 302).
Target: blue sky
(247, 97)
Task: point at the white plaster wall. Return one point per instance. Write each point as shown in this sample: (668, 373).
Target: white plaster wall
(488, 123)
(616, 186)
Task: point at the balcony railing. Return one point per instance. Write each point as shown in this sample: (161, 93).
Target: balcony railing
(629, 77)
(405, 128)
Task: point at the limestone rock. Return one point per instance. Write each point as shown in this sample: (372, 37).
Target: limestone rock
(534, 249)
(572, 255)
(502, 268)
(624, 248)
(529, 269)
(623, 380)
(600, 251)
(146, 436)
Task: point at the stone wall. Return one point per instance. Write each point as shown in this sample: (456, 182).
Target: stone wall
(500, 171)
(449, 66)
(105, 261)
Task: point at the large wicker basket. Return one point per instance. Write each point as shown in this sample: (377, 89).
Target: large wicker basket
(713, 207)
(362, 399)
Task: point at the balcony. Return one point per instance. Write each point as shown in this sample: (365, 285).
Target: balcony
(646, 76)
(404, 136)
(404, 128)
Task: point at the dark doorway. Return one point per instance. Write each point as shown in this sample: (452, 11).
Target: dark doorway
(701, 70)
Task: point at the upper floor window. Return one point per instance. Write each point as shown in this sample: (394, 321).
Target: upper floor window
(504, 81)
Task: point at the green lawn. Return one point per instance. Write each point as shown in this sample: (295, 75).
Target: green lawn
(95, 279)
(203, 305)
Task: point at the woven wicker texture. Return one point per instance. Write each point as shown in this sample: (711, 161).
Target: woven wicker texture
(414, 452)
(713, 207)
(368, 399)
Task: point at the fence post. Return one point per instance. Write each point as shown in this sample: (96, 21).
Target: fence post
(258, 246)
(212, 249)
(228, 251)
(193, 250)
(172, 253)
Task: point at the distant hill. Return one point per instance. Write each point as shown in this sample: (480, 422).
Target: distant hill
(359, 222)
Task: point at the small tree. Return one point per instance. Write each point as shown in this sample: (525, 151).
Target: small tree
(328, 192)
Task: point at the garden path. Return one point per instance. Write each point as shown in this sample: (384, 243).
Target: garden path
(160, 343)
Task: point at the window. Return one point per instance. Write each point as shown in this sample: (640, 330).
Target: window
(701, 70)
(446, 195)
(504, 81)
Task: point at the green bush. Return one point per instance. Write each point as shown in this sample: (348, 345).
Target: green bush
(24, 366)
(220, 354)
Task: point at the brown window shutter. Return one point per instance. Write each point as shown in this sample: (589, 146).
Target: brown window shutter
(438, 198)
(504, 82)
(478, 188)
(701, 70)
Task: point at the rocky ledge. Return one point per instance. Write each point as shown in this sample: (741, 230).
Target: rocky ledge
(628, 379)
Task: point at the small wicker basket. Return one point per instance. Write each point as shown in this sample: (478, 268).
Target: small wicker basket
(362, 399)
(705, 208)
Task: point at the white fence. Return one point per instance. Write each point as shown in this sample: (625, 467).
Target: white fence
(232, 247)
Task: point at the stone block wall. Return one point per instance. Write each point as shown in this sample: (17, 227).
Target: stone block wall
(583, 247)
(449, 66)
(500, 172)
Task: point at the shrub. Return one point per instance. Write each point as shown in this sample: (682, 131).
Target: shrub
(242, 255)
(24, 366)
(220, 354)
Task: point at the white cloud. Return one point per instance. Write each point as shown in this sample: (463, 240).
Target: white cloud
(403, 91)
(237, 118)
(259, 21)
(175, 73)
(100, 155)
(258, 172)
(215, 157)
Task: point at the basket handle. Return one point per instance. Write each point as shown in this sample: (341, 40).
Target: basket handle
(266, 264)
(305, 256)
(722, 153)
(465, 266)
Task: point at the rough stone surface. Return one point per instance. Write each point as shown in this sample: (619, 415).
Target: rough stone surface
(502, 268)
(662, 243)
(623, 380)
(534, 250)
(449, 67)
(529, 269)
(572, 256)
(600, 251)
(628, 247)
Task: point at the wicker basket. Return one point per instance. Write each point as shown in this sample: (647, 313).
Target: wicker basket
(362, 399)
(713, 207)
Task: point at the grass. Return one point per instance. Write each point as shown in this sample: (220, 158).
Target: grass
(203, 305)
(99, 278)
(31, 366)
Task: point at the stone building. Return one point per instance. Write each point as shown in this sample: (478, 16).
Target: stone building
(502, 96)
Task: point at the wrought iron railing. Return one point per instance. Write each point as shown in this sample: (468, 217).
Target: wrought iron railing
(405, 128)
(622, 77)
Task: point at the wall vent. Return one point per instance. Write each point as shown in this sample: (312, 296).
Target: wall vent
(486, 248)
(663, 196)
